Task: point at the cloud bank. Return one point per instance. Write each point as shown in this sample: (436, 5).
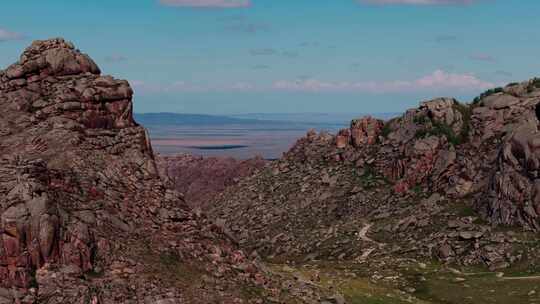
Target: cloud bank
(438, 80)
(6, 35)
(419, 2)
(188, 87)
(207, 3)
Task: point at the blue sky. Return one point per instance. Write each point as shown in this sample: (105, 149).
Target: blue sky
(242, 56)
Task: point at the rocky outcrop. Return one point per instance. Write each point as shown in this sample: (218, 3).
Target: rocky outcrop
(513, 193)
(364, 131)
(53, 80)
(508, 124)
(431, 183)
(84, 216)
(200, 179)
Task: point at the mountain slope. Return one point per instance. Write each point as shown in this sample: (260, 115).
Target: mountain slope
(439, 183)
(84, 215)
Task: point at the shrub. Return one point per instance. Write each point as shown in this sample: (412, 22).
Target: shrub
(420, 120)
(443, 129)
(486, 94)
(466, 113)
(386, 130)
(440, 129)
(534, 84)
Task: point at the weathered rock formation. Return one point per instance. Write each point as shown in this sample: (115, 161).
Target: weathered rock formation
(363, 131)
(84, 216)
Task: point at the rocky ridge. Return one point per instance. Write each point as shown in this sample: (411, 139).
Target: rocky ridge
(84, 216)
(443, 181)
(200, 179)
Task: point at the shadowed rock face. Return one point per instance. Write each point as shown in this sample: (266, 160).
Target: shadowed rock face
(84, 216)
(511, 196)
(201, 179)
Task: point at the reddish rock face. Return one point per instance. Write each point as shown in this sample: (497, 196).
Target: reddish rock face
(365, 131)
(30, 224)
(343, 138)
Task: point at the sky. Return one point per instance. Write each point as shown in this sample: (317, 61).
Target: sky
(289, 56)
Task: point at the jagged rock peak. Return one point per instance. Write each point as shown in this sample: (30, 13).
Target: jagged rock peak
(54, 57)
(54, 81)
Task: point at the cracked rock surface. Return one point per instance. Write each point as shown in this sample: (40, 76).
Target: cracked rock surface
(84, 216)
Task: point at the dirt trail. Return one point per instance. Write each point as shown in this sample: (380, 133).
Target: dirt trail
(521, 278)
(362, 235)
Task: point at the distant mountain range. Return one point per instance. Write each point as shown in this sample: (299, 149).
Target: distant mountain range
(318, 118)
(179, 119)
(176, 119)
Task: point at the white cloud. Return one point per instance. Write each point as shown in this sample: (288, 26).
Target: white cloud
(418, 2)
(6, 35)
(241, 86)
(207, 3)
(483, 57)
(184, 86)
(438, 80)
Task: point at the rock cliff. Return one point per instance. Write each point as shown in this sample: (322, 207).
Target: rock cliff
(84, 216)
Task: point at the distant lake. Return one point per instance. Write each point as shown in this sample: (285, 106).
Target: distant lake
(235, 141)
(220, 147)
(241, 137)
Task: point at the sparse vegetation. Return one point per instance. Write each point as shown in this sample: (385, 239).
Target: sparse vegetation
(439, 129)
(534, 84)
(386, 130)
(417, 190)
(466, 112)
(487, 93)
(370, 178)
(436, 128)
(420, 120)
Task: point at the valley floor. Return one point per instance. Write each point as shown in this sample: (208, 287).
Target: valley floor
(416, 282)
